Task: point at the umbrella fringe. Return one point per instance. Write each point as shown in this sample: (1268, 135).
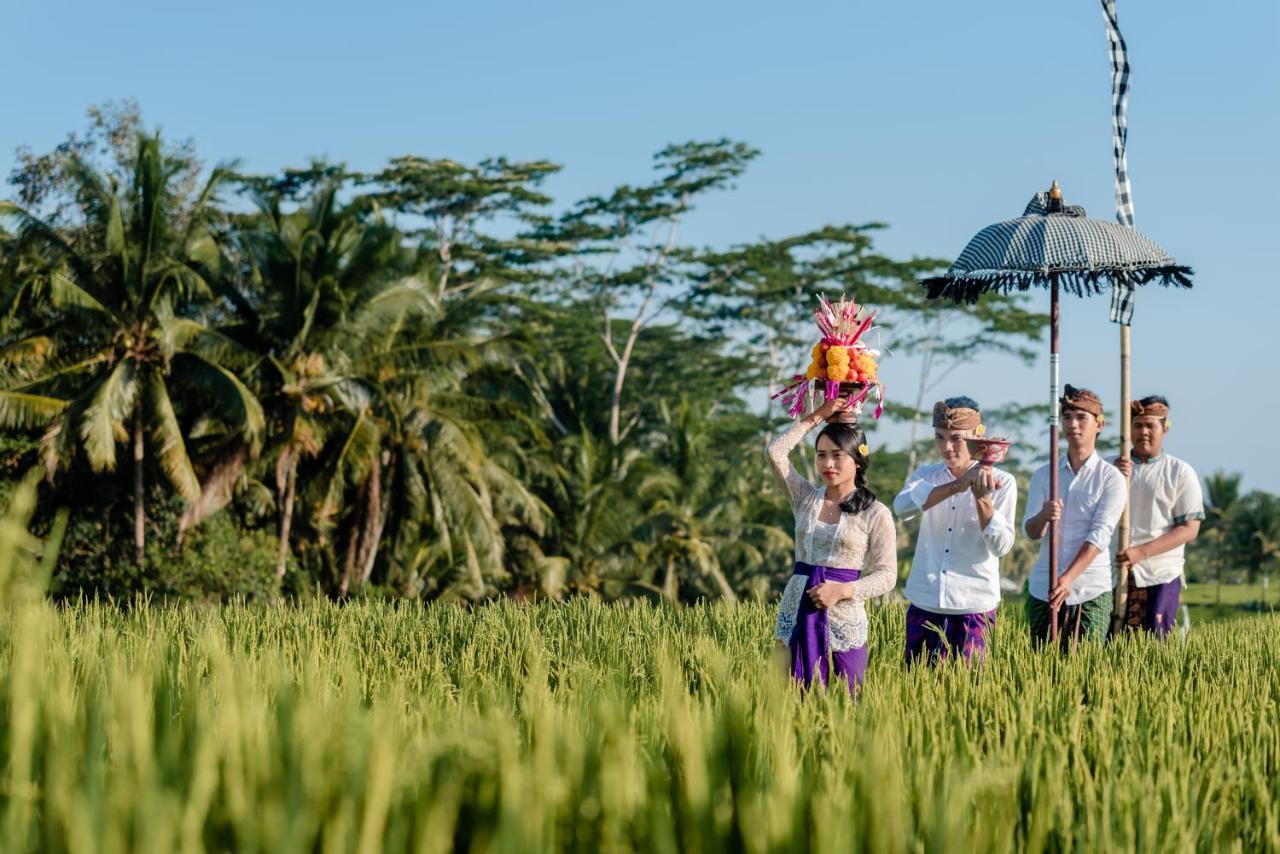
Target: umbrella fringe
(968, 287)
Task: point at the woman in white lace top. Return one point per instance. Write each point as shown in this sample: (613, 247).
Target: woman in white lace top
(846, 551)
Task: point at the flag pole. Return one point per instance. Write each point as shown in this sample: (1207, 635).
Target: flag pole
(1122, 292)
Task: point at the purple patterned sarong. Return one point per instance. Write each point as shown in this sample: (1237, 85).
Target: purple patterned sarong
(810, 642)
(937, 636)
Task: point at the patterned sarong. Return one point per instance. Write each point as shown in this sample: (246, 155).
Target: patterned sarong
(1087, 621)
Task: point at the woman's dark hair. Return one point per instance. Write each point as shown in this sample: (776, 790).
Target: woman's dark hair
(848, 438)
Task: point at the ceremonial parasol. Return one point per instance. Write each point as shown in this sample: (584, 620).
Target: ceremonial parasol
(1055, 245)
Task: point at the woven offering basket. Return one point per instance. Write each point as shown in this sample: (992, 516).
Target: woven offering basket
(988, 451)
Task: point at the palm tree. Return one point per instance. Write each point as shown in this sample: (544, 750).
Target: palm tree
(367, 379)
(596, 493)
(1222, 492)
(1257, 535)
(441, 485)
(313, 281)
(714, 532)
(123, 296)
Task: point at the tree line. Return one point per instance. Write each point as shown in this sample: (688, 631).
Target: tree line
(427, 380)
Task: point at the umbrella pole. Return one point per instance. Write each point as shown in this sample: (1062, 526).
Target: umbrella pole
(1126, 437)
(1053, 447)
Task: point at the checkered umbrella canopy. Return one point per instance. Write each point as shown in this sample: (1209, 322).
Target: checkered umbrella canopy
(1085, 255)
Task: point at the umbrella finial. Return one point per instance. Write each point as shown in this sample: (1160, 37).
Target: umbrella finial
(1055, 198)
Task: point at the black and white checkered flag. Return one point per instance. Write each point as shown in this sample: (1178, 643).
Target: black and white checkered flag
(1122, 293)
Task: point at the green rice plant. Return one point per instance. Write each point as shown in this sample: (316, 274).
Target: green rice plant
(617, 727)
(608, 727)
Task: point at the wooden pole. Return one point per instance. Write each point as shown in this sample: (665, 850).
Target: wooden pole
(1121, 602)
(1054, 418)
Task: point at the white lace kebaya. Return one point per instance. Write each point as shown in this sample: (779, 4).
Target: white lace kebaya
(865, 541)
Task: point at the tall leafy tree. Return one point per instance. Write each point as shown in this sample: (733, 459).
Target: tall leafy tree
(441, 491)
(766, 292)
(629, 263)
(123, 284)
(463, 218)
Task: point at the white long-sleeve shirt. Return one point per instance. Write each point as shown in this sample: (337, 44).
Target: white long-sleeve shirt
(956, 569)
(1092, 501)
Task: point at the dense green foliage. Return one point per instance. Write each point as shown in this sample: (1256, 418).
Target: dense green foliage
(1240, 537)
(427, 380)
(432, 380)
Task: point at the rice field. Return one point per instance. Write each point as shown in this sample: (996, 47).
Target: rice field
(590, 727)
(595, 727)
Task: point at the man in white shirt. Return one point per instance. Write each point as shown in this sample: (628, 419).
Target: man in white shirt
(1093, 494)
(967, 526)
(1165, 509)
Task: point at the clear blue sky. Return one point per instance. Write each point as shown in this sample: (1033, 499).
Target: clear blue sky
(936, 117)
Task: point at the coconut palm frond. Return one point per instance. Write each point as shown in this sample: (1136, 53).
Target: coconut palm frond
(169, 446)
(180, 333)
(19, 411)
(66, 294)
(223, 392)
(102, 424)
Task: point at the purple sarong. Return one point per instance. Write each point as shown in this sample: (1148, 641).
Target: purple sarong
(810, 641)
(936, 636)
(1154, 608)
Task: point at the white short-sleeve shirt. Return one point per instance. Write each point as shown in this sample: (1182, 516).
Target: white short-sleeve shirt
(1163, 492)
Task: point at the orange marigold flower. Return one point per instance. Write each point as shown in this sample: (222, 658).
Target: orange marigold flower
(837, 364)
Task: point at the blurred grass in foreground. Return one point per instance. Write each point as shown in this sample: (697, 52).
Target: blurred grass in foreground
(607, 727)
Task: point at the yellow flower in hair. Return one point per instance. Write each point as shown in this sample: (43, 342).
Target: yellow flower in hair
(862, 449)
(980, 430)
